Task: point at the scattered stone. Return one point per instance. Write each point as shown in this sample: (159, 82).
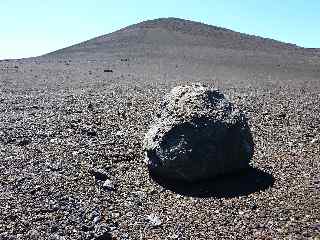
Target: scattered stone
(24, 142)
(174, 236)
(96, 219)
(87, 228)
(91, 133)
(55, 166)
(54, 228)
(57, 237)
(108, 185)
(35, 190)
(90, 106)
(100, 174)
(119, 133)
(115, 215)
(104, 236)
(198, 134)
(154, 220)
(36, 107)
(54, 140)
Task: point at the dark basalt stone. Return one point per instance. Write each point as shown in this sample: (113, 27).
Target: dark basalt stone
(197, 134)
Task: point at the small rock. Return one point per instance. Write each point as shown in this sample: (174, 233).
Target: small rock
(174, 236)
(54, 140)
(108, 184)
(54, 229)
(56, 166)
(24, 142)
(91, 133)
(74, 153)
(115, 215)
(90, 106)
(104, 236)
(154, 220)
(96, 219)
(100, 174)
(35, 189)
(119, 133)
(57, 237)
(87, 228)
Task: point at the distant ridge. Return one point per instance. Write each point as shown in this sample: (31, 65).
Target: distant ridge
(180, 32)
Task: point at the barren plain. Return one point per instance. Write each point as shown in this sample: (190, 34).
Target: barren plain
(72, 124)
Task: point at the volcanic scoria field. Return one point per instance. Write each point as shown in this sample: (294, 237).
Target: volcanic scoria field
(72, 124)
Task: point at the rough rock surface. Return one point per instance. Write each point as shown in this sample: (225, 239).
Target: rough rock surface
(198, 134)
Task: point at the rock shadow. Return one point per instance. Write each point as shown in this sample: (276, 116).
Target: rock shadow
(226, 186)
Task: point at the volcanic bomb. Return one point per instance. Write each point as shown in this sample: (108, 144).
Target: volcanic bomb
(197, 134)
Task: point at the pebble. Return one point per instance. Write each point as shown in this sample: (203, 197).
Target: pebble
(100, 174)
(154, 220)
(108, 185)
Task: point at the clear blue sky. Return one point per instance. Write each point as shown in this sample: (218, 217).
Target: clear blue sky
(34, 27)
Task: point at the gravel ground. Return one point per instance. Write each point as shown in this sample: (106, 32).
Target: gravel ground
(71, 158)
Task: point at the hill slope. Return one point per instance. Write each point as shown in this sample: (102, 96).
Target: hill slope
(178, 32)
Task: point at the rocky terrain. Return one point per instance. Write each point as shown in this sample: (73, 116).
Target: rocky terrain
(72, 124)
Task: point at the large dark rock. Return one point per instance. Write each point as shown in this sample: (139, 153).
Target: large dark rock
(197, 134)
